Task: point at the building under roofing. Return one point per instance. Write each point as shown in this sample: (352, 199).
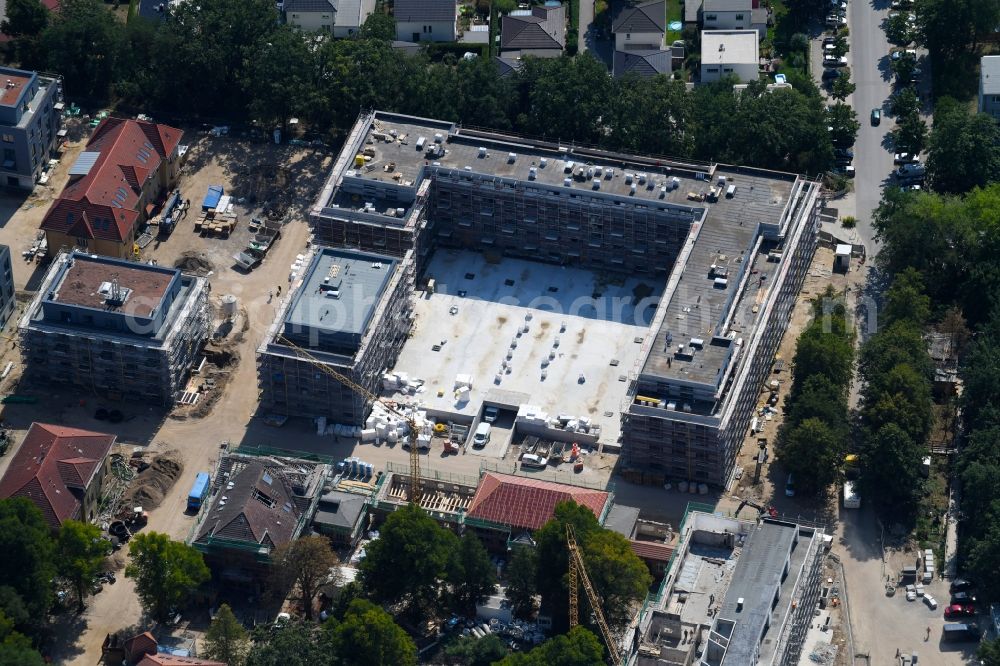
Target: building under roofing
(115, 328)
(739, 593)
(340, 516)
(539, 31)
(114, 186)
(524, 503)
(350, 310)
(257, 505)
(61, 470)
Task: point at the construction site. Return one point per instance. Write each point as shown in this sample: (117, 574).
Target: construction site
(115, 327)
(720, 251)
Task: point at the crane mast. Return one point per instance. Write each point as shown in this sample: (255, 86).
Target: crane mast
(577, 574)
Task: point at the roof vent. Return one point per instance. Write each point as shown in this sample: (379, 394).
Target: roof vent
(722, 47)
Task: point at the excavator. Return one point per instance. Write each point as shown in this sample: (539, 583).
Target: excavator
(371, 397)
(761, 509)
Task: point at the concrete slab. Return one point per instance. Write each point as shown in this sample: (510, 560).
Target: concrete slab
(474, 321)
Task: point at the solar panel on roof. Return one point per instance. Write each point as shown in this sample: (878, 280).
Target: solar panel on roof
(148, 144)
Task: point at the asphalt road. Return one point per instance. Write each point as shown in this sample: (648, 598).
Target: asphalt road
(870, 73)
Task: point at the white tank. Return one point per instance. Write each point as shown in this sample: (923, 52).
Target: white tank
(229, 303)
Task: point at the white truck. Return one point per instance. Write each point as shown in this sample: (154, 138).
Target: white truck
(852, 500)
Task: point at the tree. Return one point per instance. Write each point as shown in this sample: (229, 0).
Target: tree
(24, 18)
(619, 577)
(813, 452)
(898, 30)
(471, 651)
(910, 133)
(226, 640)
(472, 576)
(378, 25)
(26, 559)
(905, 300)
(305, 562)
(964, 149)
(409, 561)
(842, 86)
(890, 471)
(80, 554)
(345, 596)
(367, 636)
(579, 647)
(905, 68)
(904, 102)
(521, 576)
(83, 42)
(289, 644)
(989, 652)
(165, 572)
(817, 398)
(844, 122)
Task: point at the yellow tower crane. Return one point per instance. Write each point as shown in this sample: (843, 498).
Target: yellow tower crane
(373, 398)
(578, 573)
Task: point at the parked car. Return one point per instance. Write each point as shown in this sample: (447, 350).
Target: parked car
(911, 171)
(958, 610)
(482, 435)
(835, 21)
(829, 40)
(963, 598)
(830, 74)
(876, 117)
(896, 55)
(838, 4)
(490, 413)
(790, 486)
(843, 152)
(845, 171)
(961, 585)
(833, 61)
(905, 158)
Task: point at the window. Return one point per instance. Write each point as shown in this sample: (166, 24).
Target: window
(713, 70)
(711, 17)
(81, 242)
(628, 35)
(8, 138)
(739, 17)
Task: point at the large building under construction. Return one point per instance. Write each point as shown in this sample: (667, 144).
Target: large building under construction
(731, 246)
(350, 311)
(115, 328)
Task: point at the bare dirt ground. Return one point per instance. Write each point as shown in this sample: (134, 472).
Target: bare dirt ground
(263, 175)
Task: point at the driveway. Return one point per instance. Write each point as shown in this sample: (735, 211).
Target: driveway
(586, 18)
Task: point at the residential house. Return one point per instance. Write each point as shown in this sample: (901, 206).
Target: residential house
(642, 27)
(426, 20)
(340, 18)
(61, 470)
(342, 517)
(639, 40)
(29, 125)
(114, 186)
(256, 505)
(539, 31)
(989, 86)
(727, 15)
(730, 53)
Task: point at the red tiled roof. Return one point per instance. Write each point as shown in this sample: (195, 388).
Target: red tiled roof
(650, 550)
(171, 660)
(53, 468)
(528, 503)
(139, 645)
(108, 196)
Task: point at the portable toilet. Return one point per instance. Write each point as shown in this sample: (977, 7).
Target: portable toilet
(842, 259)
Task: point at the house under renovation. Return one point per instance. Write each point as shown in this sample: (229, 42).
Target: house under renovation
(115, 328)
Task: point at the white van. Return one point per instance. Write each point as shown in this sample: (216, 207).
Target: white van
(482, 435)
(852, 500)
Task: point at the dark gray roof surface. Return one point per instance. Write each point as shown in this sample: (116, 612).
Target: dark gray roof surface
(643, 63)
(727, 5)
(339, 509)
(622, 519)
(756, 577)
(309, 6)
(507, 66)
(544, 28)
(647, 17)
(425, 10)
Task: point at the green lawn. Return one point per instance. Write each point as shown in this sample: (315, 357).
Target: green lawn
(674, 13)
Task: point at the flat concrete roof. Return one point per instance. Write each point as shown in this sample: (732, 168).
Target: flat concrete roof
(756, 578)
(728, 47)
(475, 337)
(13, 82)
(88, 282)
(339, 292)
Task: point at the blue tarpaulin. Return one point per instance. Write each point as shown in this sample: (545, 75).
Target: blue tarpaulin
(213, 197)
